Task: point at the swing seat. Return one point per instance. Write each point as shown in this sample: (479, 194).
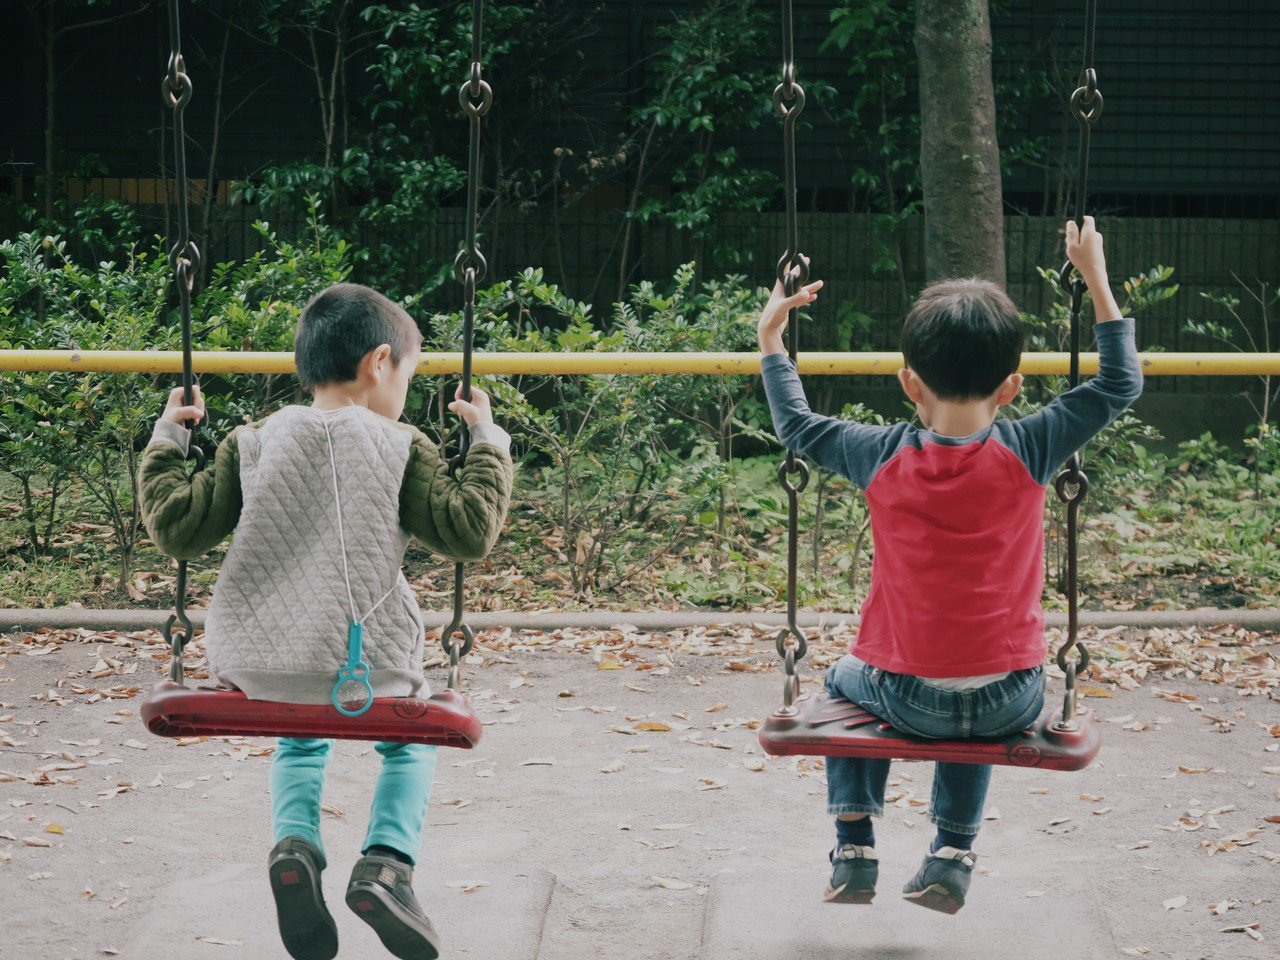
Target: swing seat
(836, 727)
(444, 719)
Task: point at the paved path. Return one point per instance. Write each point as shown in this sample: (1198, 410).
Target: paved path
(683, 853)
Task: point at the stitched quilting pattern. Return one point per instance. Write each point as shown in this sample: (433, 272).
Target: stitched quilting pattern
(281, 602)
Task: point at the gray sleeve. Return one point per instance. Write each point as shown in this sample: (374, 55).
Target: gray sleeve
(1047, 439)
(853, 450)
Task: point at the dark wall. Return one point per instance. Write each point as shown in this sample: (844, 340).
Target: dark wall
(1192, 94)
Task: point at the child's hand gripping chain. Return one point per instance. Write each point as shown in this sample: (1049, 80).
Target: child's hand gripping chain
(774, 316)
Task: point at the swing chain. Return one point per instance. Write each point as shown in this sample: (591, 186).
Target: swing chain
(788, 101)
(476, 97)
(177, 639)
(793, 273)
(184, 258)
(1072, 484)
(791, 681)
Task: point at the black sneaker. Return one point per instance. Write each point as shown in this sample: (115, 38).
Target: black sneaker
(854, 871)
(942, 880)
(381, 894)
(306, 927)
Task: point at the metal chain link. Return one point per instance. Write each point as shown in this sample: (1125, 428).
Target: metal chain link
(793, 273)
(184, 258)
(1072, 484)
(476, 97)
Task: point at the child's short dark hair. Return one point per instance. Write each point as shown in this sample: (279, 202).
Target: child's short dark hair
(340, 325)
(963, 338)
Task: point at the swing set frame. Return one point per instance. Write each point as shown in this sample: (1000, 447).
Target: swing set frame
(814, 726)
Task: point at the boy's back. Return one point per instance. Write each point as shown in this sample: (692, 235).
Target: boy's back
(958, 522)
(275, 621)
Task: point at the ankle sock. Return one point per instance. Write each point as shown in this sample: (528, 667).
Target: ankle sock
(391, 852)
(862, 832)
(949, 838)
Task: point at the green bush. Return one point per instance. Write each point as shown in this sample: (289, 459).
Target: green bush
(633, 489)
(87, 431)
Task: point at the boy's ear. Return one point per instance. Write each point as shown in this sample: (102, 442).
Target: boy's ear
(1009, 389)
(911, 385)
(374, 364)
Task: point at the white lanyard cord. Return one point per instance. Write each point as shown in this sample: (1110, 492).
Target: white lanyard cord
(342, 542)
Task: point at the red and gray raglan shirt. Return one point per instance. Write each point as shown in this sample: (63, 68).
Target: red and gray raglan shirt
(958, 522)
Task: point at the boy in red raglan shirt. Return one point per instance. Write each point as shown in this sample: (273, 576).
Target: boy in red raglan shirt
(951, 642)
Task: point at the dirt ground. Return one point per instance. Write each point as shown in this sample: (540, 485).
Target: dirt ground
(569, 833)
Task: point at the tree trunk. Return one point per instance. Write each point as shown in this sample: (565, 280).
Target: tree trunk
(959, 156)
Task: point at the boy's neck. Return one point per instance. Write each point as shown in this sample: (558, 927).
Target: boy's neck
(961, 419)
(335, 396)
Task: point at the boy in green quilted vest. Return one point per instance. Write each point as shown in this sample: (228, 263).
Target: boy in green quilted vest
(323, 500)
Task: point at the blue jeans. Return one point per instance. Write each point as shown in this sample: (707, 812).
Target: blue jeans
(399, 799)
(856, 784)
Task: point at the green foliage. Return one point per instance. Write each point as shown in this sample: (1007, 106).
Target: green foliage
(876, 37)
(1053, 331)
(1201, 515)
(627, 483)
(88, 426)
(86, 430)
(392, 158)
(705, 88)
(1253, 325)
(619, 468)
(255, 304)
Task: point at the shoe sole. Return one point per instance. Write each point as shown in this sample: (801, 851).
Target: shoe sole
(399, 930)
(845, 895)
(306, 926)
(936, 897)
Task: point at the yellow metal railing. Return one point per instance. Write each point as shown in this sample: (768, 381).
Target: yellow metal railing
(170, 361)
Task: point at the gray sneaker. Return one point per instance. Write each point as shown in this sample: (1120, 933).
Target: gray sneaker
(381, 894)
(854, 871)
(306, 927)
(942, 881)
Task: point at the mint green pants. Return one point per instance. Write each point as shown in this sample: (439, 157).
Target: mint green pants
(399, 798)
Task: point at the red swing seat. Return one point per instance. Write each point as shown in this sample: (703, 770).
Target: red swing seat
(835, 727)
(444, 719)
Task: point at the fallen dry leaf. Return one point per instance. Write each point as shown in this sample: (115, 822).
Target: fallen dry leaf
(667, 883)
(652, 726)
(468, 886)
(1252, 929)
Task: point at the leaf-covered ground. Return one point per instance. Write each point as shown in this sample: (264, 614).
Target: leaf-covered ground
(625, 765)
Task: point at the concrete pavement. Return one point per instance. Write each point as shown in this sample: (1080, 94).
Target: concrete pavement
(573, 833)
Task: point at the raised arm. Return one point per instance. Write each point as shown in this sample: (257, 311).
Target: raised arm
(1048, 439)
(853, 450)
